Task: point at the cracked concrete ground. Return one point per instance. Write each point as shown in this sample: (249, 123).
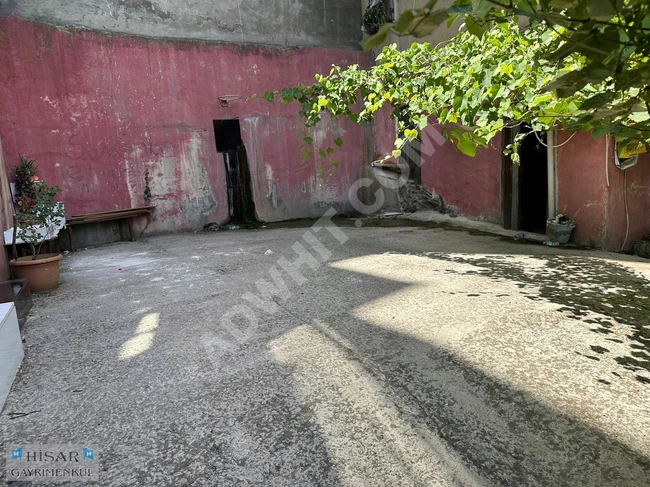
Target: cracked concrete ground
(411, 356)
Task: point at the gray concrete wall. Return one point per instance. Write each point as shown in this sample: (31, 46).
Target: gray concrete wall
(325, 23)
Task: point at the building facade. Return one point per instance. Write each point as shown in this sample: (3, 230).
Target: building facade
(121, 103)
(128, 103)
(577, 176)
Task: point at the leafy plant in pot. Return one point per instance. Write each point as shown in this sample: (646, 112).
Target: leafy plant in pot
(25, 177)
(36, 219)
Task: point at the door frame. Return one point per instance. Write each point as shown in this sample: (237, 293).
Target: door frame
(551, 167)
(510, 179)
(241, 203)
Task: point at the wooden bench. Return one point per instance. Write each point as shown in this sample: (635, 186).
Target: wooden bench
(124, 218)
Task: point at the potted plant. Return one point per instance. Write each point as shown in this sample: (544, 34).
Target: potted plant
(560, 228)
(36, 221)
(25, 178)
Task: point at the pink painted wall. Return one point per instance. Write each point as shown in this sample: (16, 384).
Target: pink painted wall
(385, 133)
(599, 209)
(6, 217)
(98, 112)
(471, 184)
(582, 190)
(638, 203)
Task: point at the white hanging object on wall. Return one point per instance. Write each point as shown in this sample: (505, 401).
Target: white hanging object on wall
(624, 163)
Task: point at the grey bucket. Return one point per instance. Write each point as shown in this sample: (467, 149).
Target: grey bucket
(559, 232)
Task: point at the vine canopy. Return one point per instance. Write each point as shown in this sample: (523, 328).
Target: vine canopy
(493, 74)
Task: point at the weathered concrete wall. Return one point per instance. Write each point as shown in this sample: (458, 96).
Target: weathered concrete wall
(440, 34)
(638, 203)
(331, 23)
(473, 185)
(99, 113)
(470, 184)
(599, 208)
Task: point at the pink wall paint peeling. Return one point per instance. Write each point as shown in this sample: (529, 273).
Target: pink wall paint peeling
(581, 185)
(473, 186)
(470, 184)
(583, 168)
(99, 112)
(638, 204)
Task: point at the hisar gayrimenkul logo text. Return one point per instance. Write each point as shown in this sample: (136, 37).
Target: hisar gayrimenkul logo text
(52, 462)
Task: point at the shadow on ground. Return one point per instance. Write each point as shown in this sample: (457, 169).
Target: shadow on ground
(503, 435)
(317, 395)
(584, 288)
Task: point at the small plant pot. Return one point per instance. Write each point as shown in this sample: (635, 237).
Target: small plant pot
(41, 273)
(559, 232)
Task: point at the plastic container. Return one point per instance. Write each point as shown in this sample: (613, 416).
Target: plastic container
(559, 232)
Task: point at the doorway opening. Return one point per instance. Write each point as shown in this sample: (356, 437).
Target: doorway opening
(526, 186)
(227, 134)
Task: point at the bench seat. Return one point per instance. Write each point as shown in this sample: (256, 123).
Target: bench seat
(121, 215)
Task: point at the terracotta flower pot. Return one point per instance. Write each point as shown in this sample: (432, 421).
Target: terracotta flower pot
(42, 273)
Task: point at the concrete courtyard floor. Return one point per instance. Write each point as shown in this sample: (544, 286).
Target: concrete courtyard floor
(410, 356)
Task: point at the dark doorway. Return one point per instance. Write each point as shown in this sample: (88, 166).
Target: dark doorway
(525, 187)
(533, 182)
(227, 134)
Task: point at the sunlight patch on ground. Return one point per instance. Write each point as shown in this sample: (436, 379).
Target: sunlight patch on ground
(143, 338)
(347, 400)
(547, 328)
